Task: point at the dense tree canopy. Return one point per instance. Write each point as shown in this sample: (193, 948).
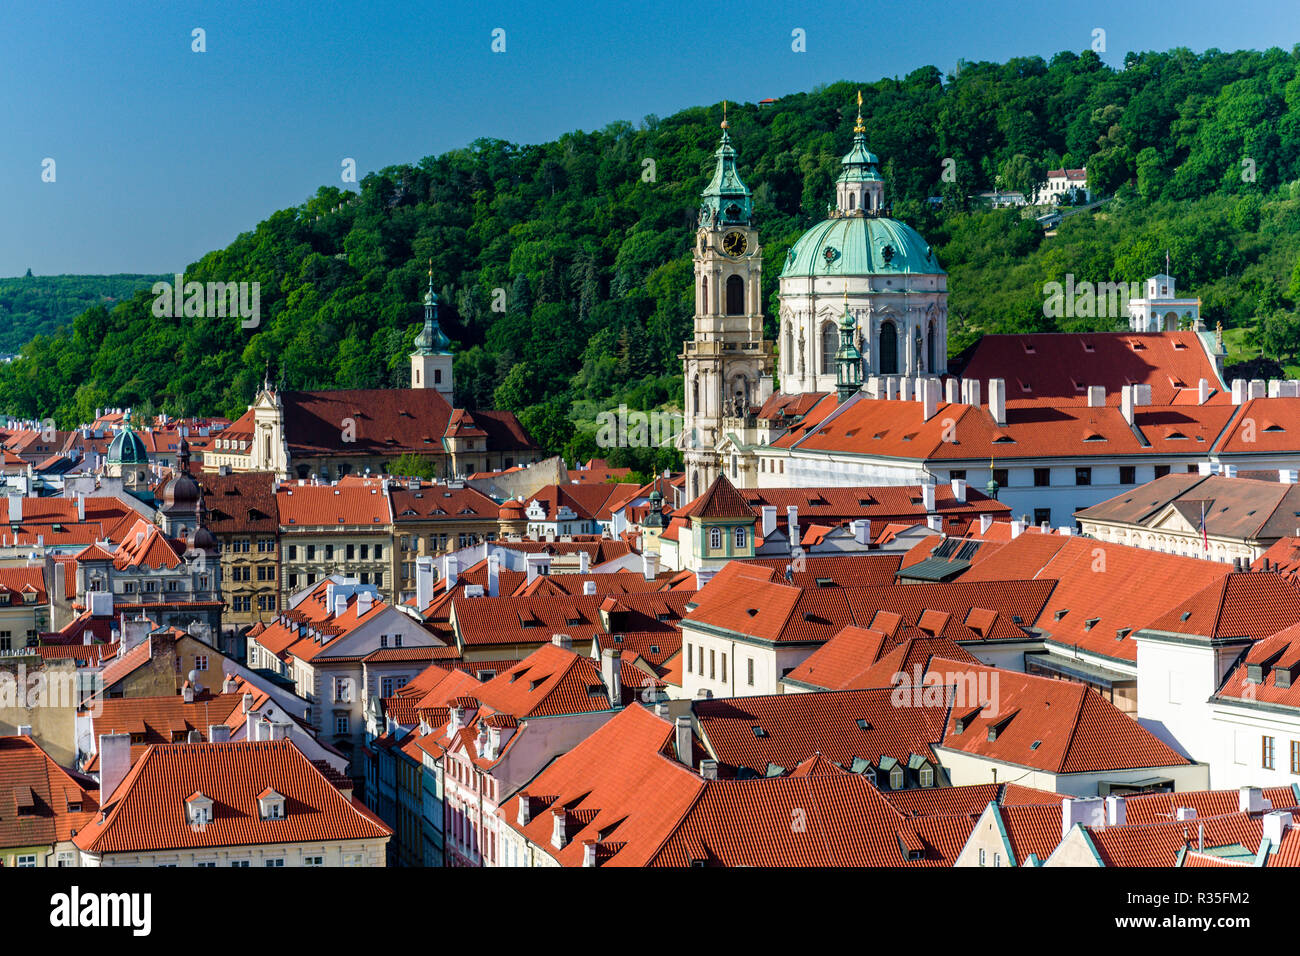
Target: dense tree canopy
(564, 273)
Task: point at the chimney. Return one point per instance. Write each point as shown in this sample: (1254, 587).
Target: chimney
(709, 769)
(247, 704)
(959, 490)
(114, 763)
(525, 809)
(985, 522)
(792, 524)
(703, 576)
(1183, 814)
(1089, 811)
(589, 852)
(494, 575)
(1115, 811)
(973, 385)
(562, 640)
(423, 582)
(1126, 403)
(1287, 476)
(682, 739)
(1239, 391)
(904, 388)
(1017, 528)
(934, 522)
(1258, 388)
(927, 496)
(584, 562)
(81, 507)
(24, 730)
(951, 391)
(228, 686)
(451, 570)
(1229, 471)
(187, 692)
(649, 564)
(365, 601)
(769, 519)
(15, 508)
(998, 400)
(1202, 391)
(1096, 396)
(218, 733)
(1275, 824)
(929, 397)
(536, 565)
(1141, 395)
(1205, 467)
(862, 531)
(1251, 800)
(611, 659)
(559, 829)
(340, 605)
(589, 588)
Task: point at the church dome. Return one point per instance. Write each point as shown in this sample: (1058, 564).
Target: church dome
(127, 448)
(181, 490)
(511, 510)
(860, 246)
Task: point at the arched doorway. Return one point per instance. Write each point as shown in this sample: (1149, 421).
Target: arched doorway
(887, 363)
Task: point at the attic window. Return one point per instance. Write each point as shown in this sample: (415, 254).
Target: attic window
(1004, 440)
(654, 648)
(825, 582)
(1180, 345)
(533, 685)
(1035, 745)
(1122, 633)
(1138, 347)
(1089, 347)
(863, 723)
(1060, 614)
(1089, 624)
(1029, 348)
(595, 690)
(1185, 615)
(1267, 428)
(759, 731)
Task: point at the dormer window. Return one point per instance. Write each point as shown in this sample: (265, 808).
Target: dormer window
(896, 779)
(198, 809)
(270, 805)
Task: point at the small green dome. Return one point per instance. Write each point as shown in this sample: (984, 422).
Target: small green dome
(127, 448)
(860, 246)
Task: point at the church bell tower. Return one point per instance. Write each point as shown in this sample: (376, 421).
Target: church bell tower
(727, 364)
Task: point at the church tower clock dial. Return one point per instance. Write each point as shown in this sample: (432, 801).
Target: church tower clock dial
(734, 244)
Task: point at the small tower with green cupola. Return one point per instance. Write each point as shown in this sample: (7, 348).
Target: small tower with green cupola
(432, 358)
(848, 359)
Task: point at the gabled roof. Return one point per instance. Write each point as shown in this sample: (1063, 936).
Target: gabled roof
(719, 500)
(1051, 725)
(839, 725)
(552, 680)
(38, 797)
(145, 812)
(1238, 605)
(862, 657)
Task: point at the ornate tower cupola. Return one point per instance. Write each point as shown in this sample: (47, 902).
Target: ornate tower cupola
(726, 199)
(431, 360)
(848, 360)
(860, 191)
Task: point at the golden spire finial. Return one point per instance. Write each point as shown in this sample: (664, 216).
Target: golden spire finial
(725, 124)
(859, 127)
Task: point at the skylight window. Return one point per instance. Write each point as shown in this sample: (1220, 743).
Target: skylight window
(759, 731)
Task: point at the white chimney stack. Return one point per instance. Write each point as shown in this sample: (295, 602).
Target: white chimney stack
(584, 562)
(1017, 528)
(1126, 403)
(959, 490)
(929, 397)
(1239, 391)
(15, 508)
(340, 605)
(611, 660)
(951, 391)
(649, 565)
(986, 522)
(494, 575)
(562, 640)
(1276, 824)
(998, 400)
(589, 588)
(792, 524)
(927, 496)
(1096, 396)
(451, 571)
(365, 601)
(1205, 468)
(1287, 476)
(682, 740)
(1202, 391)
(769, 520)
(1258, 388)
(81, 507)
(862, 531)
(114, 763)
(423, 582)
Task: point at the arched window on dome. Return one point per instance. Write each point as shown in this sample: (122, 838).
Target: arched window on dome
(852, 202)
(735, 295)
(830, 345)
(887, 362)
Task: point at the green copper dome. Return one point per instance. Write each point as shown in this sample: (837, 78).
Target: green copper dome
(126, 448)
(431, 340)
(860, 246)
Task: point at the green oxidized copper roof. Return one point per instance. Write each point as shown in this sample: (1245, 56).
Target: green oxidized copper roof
(726, 190)
(127, 448)
(431, 340)
(860, 164)
(861, 245)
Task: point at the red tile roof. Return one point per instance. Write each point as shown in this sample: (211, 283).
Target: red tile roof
(332, 505)
(36, 796)
(145, 813)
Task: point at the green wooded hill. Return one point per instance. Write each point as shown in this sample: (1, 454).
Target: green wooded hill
(41, 305)
(564, 272)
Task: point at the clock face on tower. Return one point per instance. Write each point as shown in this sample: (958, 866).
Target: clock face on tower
(734, 243)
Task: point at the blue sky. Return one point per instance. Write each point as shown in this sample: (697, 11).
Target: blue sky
(162, 154)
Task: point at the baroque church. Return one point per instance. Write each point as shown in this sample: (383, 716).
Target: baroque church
(861, 296)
